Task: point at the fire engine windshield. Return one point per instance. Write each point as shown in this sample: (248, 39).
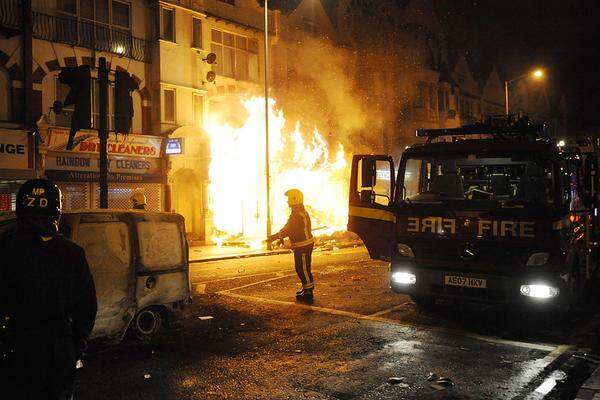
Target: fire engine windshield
(477, 180)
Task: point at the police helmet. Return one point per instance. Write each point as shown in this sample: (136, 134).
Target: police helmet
(39, 197)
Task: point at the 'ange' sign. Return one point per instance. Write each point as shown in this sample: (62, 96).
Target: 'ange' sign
(480, 227)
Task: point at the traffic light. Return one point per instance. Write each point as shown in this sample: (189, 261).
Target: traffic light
(124, 85)
(79, 82)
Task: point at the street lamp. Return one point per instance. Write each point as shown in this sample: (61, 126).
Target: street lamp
(266, 71)
(536, 74)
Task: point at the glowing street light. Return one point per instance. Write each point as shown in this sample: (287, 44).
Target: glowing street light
(536, 74)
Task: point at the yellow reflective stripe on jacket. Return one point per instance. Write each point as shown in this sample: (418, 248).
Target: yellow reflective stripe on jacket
(303, 243)
(372, 213)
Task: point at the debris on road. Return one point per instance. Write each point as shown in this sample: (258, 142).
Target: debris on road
(432, 376)
(394, 380)
(298, 351)
(205, 318)
(147, 376)
(465, 349)
(587, 357)
(442, 384)
(355, 278)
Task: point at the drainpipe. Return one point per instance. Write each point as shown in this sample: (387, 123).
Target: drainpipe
(28, 117)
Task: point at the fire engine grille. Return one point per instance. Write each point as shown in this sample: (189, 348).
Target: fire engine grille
(470, 293)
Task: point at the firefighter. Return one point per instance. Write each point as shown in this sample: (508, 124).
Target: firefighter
(47, 296)
(298, 229)
(138, 200)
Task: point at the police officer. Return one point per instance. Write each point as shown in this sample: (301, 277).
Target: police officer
(298, 229)
(47, 295)
(138, 200)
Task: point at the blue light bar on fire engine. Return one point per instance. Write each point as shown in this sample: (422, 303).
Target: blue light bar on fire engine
(484, 129)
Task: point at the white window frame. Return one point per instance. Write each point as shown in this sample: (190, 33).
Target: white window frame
(163, 105)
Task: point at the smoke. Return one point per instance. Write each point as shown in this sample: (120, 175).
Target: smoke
(353, 97)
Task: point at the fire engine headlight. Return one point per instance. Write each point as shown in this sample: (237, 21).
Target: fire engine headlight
(539, 291)
(405, 250)
(537, 259)
(404, 278)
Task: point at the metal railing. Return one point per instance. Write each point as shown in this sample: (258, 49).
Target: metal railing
(10, 14)
(90, 35)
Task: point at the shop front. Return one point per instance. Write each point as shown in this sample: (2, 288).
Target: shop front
(16, 165)
(134, 164)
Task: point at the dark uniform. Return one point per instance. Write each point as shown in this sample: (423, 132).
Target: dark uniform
(48, 295)
(298, 229)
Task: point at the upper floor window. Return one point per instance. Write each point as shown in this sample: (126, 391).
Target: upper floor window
(167, 24)
(237, 56)
(64, 119)
(419, 100)
(168, 106)
(197, 33)
(116, 13)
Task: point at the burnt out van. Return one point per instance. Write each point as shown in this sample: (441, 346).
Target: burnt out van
(139, 261)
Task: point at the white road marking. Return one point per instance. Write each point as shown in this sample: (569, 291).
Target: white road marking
(388, 310)
(254, 283)
(535, 346)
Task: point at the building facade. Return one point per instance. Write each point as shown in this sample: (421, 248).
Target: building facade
(69, 33)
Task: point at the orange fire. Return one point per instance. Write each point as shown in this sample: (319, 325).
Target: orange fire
(298, 159)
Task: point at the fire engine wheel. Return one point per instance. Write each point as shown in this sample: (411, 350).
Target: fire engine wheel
(147, 324)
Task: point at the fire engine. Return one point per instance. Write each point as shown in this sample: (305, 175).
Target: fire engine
(493, 212)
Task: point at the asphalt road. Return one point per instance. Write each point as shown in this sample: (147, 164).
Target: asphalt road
(261, 344)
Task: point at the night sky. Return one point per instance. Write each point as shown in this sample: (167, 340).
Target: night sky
(563, 36)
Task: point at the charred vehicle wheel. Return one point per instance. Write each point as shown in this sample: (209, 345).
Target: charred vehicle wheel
(147, 324)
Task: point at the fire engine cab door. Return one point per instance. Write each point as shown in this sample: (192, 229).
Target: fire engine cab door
(370, 215)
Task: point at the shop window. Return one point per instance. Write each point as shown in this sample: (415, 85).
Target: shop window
(167, 24)
(75, 196)
(197, 33)
(169, 105)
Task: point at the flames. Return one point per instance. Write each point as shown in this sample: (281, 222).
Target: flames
(298, 159)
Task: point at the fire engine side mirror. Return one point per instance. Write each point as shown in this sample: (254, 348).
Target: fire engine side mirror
(590, 181)
(368, 173)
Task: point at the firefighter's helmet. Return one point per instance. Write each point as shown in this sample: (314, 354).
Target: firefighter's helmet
(138, 200)
(39, 197)
(294, 197)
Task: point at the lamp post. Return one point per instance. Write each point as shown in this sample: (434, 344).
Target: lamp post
(266, 69)
(537, 74)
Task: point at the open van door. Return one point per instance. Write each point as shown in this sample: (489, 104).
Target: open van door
(371, 195)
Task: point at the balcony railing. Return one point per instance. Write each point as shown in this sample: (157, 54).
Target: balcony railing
(10, 15)
(89, 35)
